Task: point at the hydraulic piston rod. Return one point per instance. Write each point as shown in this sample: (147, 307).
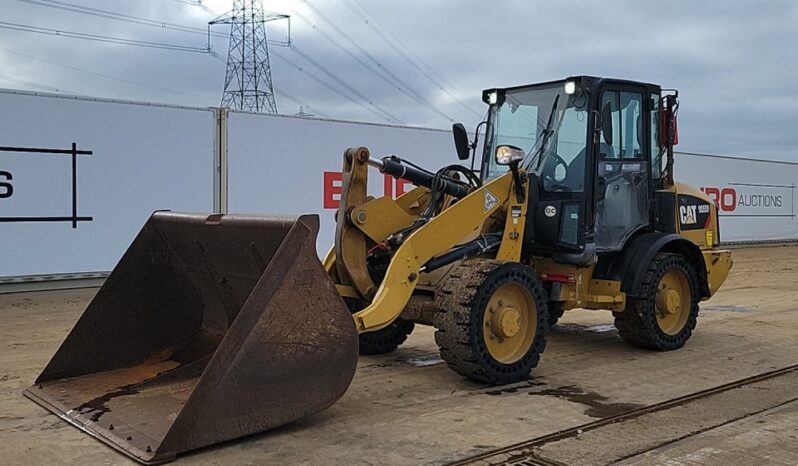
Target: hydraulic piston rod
(397, 169)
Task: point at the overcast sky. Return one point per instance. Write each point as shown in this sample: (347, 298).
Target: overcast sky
(734, 62)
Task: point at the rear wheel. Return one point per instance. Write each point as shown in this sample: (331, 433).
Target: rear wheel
(556, 311)
(664, 316)
(384, 340)
(492, 320)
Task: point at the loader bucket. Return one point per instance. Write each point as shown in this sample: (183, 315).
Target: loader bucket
(209, 328)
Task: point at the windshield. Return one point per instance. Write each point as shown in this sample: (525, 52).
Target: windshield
(550, 127)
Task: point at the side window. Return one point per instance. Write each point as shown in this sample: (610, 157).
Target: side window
(571, 136)
(656, 150)
(613, 151)
(631, 125)
(627, 125)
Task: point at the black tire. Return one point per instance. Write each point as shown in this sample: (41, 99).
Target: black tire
(387, 339)
(638, 323)
(461, 304)
(556, 310)
(384, 340)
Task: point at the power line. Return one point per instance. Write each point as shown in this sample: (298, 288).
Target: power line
(100, 38)
(160, 24)
(398, 46)
(139, 20)
(340, 81)
(38, 85)
(197, 3)
(330, 87)
(74, 8)
(105, 76)
(376, 111)
(71, 7)
(401, 86)
(399, 41)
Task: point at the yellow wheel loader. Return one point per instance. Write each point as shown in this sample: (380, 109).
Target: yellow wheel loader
(215, 327)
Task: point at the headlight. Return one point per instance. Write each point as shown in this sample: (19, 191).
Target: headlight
(505, 155)
(493, 97)
(570, 87)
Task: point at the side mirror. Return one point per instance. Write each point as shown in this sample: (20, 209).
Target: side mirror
(606, 123)
(508, 155)
(461, 141)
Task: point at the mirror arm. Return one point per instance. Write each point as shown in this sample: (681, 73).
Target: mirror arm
(476, 141)
(596, 126)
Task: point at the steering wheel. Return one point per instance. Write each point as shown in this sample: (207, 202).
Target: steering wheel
(551, 167)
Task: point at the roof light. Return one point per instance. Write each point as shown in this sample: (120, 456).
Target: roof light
(493, 97)
(570, 87)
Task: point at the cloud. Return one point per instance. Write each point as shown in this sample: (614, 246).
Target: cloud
(732, 61)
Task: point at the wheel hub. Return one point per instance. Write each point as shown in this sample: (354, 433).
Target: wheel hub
(673, 301)
(669, 301)
(510, 323)
(506, 322)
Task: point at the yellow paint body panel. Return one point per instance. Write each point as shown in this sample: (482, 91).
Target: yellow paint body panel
(718, 263)
(381, 217)
(441, 233)
(582, 290)
(513, 238)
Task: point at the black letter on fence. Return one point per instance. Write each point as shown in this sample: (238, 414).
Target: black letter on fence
(9, 190)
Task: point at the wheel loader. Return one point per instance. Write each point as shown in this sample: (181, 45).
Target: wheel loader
(213, 327)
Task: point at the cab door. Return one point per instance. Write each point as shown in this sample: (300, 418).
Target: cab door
(560, 209)
(622, 172)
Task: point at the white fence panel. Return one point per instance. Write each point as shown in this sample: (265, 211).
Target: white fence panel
(143, 158)
(756, 197)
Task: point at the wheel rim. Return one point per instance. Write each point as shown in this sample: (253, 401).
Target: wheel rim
(674, 300)
(510, 323)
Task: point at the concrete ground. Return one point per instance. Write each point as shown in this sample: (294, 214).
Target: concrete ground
(408, 408)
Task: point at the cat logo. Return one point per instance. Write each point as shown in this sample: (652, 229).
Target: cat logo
(687, 214)
(490, 200)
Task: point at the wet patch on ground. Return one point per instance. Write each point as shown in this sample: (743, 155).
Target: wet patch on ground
(598, 405)
(523, 387)
(402, 358)
(585, 329)
(425, 361)
(728, 308)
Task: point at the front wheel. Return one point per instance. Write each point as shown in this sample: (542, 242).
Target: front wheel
(664, 316)
(492, 320)
(384, 340)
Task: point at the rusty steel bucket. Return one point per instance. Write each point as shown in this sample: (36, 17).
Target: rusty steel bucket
(209, 328)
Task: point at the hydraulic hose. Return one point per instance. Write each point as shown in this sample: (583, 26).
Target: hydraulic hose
(397, 169)
(477, 246)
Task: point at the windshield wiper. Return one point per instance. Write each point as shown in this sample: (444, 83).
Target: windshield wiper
(544, 139)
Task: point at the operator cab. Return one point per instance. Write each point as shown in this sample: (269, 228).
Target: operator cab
(591, 149)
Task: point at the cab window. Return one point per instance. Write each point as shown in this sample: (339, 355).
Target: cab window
(627, 125)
